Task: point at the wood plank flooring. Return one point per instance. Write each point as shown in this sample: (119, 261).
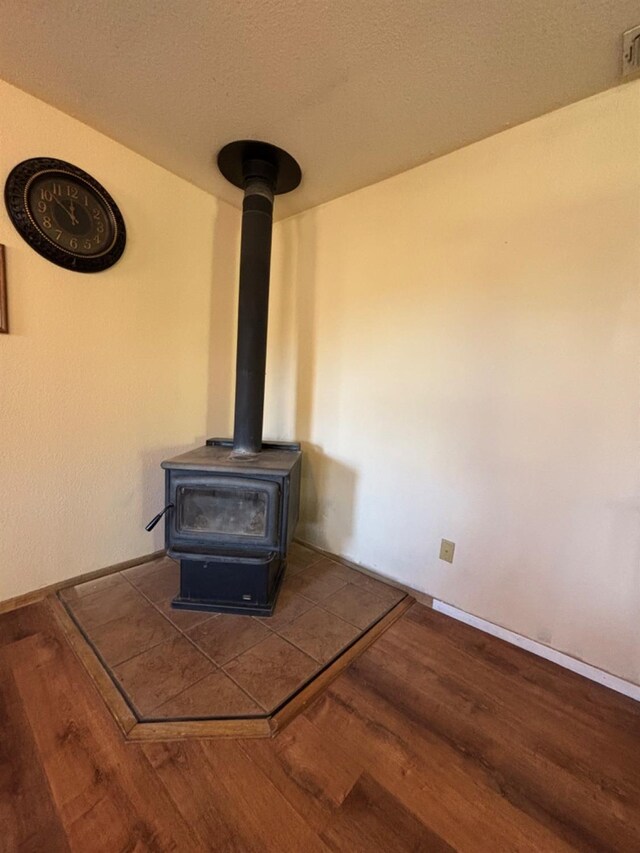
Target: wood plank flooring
(437, 738)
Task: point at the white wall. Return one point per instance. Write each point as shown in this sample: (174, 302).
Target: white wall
(104, 375)
(459, 348)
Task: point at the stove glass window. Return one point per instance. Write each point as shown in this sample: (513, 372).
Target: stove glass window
(223, 510)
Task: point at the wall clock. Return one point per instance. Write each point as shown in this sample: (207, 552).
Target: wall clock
(65, 215)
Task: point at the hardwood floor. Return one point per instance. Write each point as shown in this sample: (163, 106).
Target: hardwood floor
(437, 738)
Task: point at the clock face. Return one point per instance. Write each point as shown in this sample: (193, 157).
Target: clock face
(65, 214)
(70, 213)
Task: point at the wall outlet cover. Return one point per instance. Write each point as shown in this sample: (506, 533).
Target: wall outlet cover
(447, 549)
(631, 52)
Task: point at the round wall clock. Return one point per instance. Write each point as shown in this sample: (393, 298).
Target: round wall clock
(65, 215)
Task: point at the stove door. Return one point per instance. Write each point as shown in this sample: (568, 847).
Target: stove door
(226, 511)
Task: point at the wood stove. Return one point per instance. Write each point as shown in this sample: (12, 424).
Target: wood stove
(232, 505)
(231, 523)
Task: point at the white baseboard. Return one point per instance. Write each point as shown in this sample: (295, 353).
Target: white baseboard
(628, 688)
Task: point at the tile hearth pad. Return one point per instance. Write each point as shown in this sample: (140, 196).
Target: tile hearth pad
(173, 665)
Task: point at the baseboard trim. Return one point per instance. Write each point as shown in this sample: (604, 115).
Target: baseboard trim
(600, 676)
(39, 594)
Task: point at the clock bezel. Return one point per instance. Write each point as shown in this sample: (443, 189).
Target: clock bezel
(16, 198)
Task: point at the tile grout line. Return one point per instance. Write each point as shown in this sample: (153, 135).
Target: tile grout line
(142, 716)
(180, 692)
(90, 595)
(319, 667)
(217, 666)
(110, 667)
(247, 692)
(329, 613)
(88, 632)
(178, 628)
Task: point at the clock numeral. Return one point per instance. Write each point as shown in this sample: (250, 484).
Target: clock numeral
(97, 213)
(73, 243)
(97, 239)
(47, 222)
(100, 227)
(46, 195)
(72, 191)
(86, 244)
(56, 189)
(86, 199)
(58, 234)
(42, 206)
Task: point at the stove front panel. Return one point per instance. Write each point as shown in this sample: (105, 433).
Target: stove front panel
(213, 511)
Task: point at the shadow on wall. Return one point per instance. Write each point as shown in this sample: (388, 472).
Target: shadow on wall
(304, 289)
(328, 489)
(328, 486)
(223, 320)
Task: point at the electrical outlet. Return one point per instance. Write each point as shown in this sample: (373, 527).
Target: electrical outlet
(631, 52)
(446, 550)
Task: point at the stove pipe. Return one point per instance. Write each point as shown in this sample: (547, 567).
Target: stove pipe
(262, 171)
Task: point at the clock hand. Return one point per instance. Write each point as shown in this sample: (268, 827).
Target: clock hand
(74, 221)
(72, 208)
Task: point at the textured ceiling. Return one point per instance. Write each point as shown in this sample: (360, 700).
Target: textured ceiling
(356, 90)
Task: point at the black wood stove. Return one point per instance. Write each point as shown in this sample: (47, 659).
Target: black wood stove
(232, 505)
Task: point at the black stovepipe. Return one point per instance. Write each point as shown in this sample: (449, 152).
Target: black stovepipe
(262, 170)
(253, 307)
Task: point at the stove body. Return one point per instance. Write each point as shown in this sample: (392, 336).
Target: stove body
(231, 522)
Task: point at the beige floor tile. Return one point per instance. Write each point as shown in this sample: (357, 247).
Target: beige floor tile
(320, 634)
(216, 695)
(356, 605)
(183, 619)
(108, 604)
(73, 593)
(128, 636)
(288, 607)
(293, 567)
(157, 675)
(313, 585)
(162, 582)
(271, 671)
(227, 636)
(303, 556)
(384, 591)
(331, 569)
(137, 572)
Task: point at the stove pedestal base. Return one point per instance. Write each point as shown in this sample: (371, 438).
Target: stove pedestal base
(246, 585)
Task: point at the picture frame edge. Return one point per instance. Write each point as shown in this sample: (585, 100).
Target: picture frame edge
(4, 302)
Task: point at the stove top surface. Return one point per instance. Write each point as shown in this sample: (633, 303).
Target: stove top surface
(217, 455)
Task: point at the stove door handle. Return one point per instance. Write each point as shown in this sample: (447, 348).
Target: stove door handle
(157, 518)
